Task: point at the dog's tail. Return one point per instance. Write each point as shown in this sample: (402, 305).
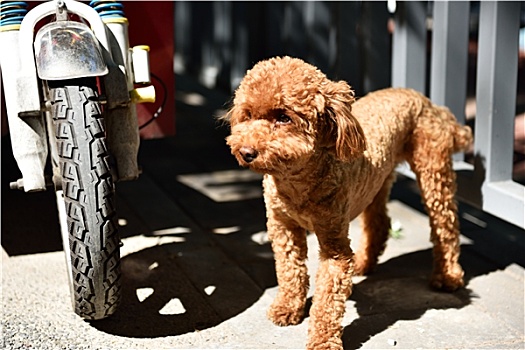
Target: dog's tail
(462, 134)
(462, 137)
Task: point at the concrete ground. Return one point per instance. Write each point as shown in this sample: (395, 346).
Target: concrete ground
(197, 269)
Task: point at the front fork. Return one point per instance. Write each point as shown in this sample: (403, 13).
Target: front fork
(121, 119)
(27, 129)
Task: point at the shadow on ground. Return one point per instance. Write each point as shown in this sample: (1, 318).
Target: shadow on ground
(29, 220)
(398, 290)
(176, 288)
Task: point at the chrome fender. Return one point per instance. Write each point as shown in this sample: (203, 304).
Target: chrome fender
(67, 50)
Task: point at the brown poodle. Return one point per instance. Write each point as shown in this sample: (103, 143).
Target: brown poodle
(326, 159)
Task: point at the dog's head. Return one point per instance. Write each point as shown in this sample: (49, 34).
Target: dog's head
(286, 110)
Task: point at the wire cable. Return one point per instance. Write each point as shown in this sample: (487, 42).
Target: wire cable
(162, 105)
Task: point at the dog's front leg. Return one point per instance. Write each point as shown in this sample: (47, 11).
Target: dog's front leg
(332, 289)
(290, 251)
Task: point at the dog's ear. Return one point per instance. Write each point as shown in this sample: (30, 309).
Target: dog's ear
(342, 131)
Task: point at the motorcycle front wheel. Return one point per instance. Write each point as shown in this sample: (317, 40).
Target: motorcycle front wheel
(88, 199)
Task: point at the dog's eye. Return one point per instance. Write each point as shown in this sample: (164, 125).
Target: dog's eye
(283, 119)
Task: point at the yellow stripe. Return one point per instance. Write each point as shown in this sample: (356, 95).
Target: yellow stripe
(141, 47)
(115, 20)
(10, 27)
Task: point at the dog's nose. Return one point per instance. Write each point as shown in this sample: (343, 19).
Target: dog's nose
(248, 154)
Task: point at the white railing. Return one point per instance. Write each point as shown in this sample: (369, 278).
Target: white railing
(488, 182)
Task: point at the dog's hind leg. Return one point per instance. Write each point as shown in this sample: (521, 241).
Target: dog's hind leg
(376, 227)
(290, 252)
(431, 160)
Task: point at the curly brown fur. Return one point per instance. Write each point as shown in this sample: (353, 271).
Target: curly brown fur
(326, 159)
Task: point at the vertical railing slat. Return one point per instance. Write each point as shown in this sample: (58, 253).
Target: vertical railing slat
(448, 75)
(409, 46)
(496, 87)
(495, 110)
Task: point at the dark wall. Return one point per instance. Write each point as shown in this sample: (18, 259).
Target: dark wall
(219, 41)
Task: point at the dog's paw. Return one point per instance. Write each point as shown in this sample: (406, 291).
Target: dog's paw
(284, 315)
(448, 282)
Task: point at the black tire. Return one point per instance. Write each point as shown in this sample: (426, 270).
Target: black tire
(88, 191)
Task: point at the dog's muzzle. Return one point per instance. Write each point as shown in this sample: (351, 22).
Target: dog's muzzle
(248, 154)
